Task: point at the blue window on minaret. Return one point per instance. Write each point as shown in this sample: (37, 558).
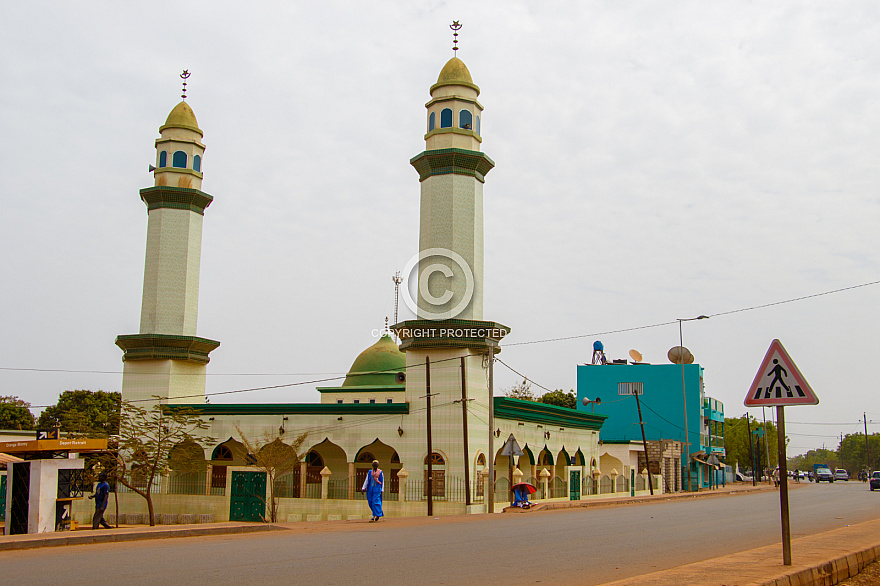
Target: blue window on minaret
(163, 159)
(179, 160)
(446, 118)
(465, 120)
(197, 163)
(477, 127)
(432, 121)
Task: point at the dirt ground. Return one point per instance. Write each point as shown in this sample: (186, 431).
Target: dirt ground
(870, 576)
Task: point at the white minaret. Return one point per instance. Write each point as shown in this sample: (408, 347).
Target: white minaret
(449, 326)
(166, 358)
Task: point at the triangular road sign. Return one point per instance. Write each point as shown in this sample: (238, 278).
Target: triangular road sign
(511, 448)
(779, 382)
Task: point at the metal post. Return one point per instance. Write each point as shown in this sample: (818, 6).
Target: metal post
(490, 502)
(430, 479)
(766, 438)
(751, 449)
(783, 486)
(464, 428)
(867, 456)
(645, 445)
(687, 437)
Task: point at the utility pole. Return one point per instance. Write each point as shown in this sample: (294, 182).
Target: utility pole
(751, 450)
(430, 479)
(867, 455)
(490, 502)
(644, 443)
(464, 429)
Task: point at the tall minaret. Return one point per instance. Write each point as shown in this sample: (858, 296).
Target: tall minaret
(449, 326)
(166, 358)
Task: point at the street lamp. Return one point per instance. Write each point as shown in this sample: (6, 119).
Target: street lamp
(687, 437)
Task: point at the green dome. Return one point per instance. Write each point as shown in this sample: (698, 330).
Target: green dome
(182, 116)
(384, 359)
(455, 72)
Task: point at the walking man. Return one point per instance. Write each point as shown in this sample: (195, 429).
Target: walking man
(374, 485)
(101, 496)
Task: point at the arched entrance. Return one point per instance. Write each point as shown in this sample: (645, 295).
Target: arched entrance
(438, 473)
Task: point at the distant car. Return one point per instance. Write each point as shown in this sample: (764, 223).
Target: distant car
(841, 474)
(875, 480)
(824, 474)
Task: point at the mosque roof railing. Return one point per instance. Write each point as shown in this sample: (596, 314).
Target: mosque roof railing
(297, 408)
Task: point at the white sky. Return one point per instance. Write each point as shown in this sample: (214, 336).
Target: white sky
(654, 161)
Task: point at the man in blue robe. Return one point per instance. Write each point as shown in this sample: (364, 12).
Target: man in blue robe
(374, 486)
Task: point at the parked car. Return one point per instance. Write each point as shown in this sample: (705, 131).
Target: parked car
(824, 474)
(875, 480)
(841, 474)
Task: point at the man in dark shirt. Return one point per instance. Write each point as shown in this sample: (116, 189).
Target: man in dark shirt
(102, 492)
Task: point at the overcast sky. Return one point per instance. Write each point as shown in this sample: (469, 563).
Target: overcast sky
(654, 161)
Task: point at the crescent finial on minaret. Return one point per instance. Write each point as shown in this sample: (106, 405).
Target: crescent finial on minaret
(184, 76)
(455, 26)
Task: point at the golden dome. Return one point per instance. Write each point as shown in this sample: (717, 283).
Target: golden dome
(455, 72)
(182, 116)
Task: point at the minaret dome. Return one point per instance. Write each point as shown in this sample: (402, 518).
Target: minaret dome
(179, 151)
(454, 113)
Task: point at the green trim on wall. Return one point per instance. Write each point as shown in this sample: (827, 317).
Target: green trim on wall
(453, 161)
(387, 388)
(165, 347)
(299, 408)
(507, 408)
(177, 198)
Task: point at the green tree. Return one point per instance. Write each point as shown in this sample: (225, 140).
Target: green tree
(152, 441)
(522, 391)
(851, 452)
(275, 458)
(736, 442)
(15, 414)
(821, 456)
(81, 412)
(560, 398)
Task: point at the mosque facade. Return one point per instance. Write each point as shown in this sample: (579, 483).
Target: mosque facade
(420, 405)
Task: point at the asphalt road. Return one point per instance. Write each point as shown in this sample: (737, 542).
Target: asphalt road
(585, 546)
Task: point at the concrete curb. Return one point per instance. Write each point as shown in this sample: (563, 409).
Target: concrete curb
(822, 559)
(109, 536)
(830, 573)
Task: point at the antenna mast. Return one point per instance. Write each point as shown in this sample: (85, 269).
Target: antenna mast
(397, 281)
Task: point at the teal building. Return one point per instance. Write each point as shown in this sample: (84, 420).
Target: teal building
(665, 407)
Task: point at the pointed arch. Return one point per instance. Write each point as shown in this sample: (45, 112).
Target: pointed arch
(528, 452)
(579, 459)
(563, 458)
(545, 458)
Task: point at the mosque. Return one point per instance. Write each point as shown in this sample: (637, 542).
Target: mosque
(420, 405)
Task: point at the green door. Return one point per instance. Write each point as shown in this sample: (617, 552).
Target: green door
(2, 497)
(247, 502)
(574, 485)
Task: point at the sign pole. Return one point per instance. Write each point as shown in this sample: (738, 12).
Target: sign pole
(783, 485)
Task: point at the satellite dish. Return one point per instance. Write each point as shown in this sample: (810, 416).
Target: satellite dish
(680, 355)
(635, 355)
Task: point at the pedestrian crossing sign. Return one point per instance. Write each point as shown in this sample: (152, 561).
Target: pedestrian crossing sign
(779, 382)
